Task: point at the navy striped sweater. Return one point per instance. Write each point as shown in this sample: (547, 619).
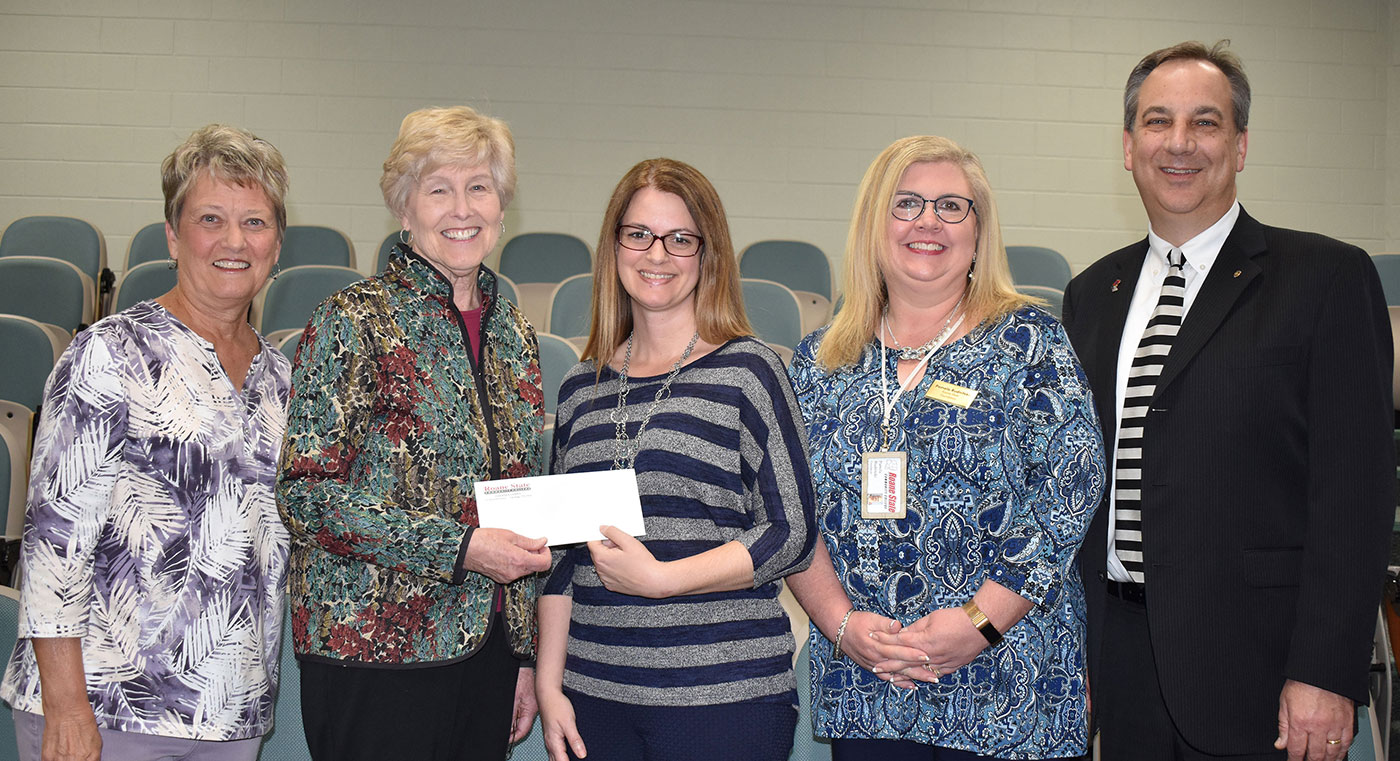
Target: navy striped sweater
(723, 459)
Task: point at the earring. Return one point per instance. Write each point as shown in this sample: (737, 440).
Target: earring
(503, 228)
(277, 270)
(172, 264)
(971, 267)
(406, 237)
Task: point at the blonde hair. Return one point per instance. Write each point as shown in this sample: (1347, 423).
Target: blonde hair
(719, 301)
(230, 154)
(430, 138)
(990, 293)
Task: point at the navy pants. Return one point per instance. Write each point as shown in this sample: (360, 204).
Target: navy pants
(624, 732)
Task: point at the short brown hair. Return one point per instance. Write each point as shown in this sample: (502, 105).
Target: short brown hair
(230, 154)
(719, 301)
(989, 295)
(1216, 55)
(430, 138)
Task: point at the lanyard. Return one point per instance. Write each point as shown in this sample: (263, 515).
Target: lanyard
(885, 398)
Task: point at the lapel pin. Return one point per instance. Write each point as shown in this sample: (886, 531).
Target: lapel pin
(1116, 282)
(1239, 272)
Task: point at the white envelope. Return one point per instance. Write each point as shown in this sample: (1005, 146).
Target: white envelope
(566, 508)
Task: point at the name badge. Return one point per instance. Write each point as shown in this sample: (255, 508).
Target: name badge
(883, 483)
(958, 396)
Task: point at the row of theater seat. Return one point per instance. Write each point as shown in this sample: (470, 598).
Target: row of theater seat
(527, 259)
(53, 272)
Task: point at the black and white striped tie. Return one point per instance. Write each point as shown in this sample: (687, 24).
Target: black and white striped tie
(1147, 364)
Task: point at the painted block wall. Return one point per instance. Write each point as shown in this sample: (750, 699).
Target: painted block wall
(781, 103)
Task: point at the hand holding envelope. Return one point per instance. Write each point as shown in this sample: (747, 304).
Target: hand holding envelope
(505, 556)
(567, 509)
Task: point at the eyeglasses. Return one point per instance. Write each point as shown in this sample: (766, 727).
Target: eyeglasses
(949, 208)
(676, 242)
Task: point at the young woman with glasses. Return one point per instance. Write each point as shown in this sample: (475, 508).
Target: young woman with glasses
(673, 645)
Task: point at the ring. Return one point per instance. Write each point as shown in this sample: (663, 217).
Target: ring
(936, 672)
(1334, 742)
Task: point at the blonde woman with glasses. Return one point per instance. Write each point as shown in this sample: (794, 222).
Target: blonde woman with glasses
(958, 460)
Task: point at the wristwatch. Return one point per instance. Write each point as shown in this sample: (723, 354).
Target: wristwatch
(979, 620)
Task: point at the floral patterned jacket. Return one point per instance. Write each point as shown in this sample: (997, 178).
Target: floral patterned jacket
(391, 422)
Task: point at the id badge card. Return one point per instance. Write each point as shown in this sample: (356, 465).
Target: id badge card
(883, 482)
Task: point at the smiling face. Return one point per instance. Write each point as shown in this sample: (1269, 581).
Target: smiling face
(454, 215)
(928, 257)
(658, 283)
(226, 246)
(1184, 149)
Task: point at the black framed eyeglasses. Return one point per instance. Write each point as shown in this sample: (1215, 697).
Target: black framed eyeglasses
(950, 208)
(676, 242)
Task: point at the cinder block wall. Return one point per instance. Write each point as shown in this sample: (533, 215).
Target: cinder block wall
(781, 103)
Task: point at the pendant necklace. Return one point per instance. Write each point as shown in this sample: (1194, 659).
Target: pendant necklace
(625, 450)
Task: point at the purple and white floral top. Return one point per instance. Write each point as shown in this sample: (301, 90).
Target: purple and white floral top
(152, 531)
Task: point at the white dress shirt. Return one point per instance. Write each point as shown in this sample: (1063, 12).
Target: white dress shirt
(1200, 253)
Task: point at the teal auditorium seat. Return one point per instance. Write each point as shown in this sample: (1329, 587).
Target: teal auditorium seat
(774, 312)
(287, 740)
(1388, 267)
(802, 267)
(1054, 297)
(571, 308)
(314, 244)
(146, 280)
(70, 239)
(505, 288)
(147, 245)
(16, 423)
(796, 264)
(536, 262)
(1037, 265)
(288, 301)
(289, 343)
(546, 447)
(386, 247)
(27, 356)
(9, 631)
(557, 357)
(46, 289)
(544, 257)
(806, 746)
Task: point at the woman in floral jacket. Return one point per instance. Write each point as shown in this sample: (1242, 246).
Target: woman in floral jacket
(410, 622)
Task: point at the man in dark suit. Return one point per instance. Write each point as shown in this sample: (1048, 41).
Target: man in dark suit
(1242, 376)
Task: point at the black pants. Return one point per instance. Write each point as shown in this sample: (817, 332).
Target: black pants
(898, 750)
(1133, 718)
(456, 712)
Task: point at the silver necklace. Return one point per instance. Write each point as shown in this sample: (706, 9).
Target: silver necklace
(917, 353)
(625, 451)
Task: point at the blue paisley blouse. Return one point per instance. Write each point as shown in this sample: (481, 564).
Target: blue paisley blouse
(1002, 491)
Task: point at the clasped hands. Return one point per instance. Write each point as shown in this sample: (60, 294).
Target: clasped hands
(924, 651)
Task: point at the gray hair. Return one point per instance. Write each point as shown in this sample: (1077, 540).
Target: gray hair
(230, 154)
(1216, 55)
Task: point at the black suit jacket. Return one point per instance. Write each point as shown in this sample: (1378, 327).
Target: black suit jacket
(1268, 476)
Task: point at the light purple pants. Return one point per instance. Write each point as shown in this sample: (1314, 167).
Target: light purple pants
(134, 746)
